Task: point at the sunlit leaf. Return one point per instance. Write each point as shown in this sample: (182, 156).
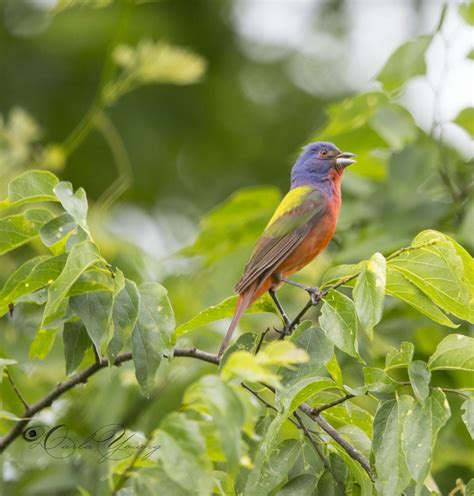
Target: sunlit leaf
(301, 391)
(466, 10)
(406, 62)
(455, 352)
(281, 353)
(245, 365)
(465, 119)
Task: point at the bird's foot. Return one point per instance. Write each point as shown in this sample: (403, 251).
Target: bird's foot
(315, 294)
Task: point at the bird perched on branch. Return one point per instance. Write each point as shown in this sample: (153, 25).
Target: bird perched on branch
(301, 227)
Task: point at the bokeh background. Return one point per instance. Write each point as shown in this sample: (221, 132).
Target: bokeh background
(276, 74)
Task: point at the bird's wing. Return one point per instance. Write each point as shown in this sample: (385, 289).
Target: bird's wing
(298, 212)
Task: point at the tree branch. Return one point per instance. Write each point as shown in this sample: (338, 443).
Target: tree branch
(81, 378)
(329, 429)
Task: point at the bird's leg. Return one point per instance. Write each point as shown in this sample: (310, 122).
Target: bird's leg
(314, 293)
(286, 320)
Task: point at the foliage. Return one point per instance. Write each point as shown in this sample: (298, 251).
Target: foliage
(363, 397)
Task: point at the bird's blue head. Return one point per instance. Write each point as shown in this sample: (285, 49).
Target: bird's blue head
(320, 162)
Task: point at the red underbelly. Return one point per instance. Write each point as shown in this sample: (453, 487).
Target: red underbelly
(314, 243)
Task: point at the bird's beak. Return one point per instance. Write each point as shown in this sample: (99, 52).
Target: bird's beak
(344, 159)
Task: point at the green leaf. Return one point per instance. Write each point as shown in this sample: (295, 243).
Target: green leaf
(378, 381)
(421, 426)
(124, 317)
(395, 125)
(245, 365)
(455, 352)
(43, 342)
(466, 11)
(390, 464)
(222, 310)
(470, 55)
(291, 398)
(406, 62)
(16, 230)
(338, 320)
(94, 309)
(336, 274)
(31, 186)
(245, 342)
(75, 204)
(227, 412)
(281, 353)
(400, 287)
(183, 454)
(468, 415)
(442, 270)
(151, 337)
(34, 274)
(76, 342)
(318, 347)
(465, 119)
(335, 370)
(7, 361)
(402, 357)
(235, 223)
(303, 485)
(9, 416)
(420, 377)
(81, 257)
(369, 293)
(56, 229)
(273, 462)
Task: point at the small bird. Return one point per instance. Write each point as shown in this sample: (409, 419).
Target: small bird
(301, 227)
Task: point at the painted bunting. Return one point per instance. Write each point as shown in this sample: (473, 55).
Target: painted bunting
(301, 227)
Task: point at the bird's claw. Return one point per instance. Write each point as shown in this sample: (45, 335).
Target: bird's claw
(315, 294)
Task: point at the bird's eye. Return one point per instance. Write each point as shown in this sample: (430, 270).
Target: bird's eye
(323, 153)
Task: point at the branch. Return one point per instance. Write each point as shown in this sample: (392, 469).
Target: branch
(17, 391)
(325, 463)
(81, 378)
(329, 429)
(318, 410)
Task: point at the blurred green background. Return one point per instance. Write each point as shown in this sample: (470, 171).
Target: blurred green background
(277, 72)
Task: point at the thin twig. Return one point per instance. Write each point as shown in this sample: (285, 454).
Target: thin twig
(323, 459)
(318, 410)
(17, 391)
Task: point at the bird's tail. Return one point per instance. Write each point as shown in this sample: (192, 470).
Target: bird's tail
(243, 303)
